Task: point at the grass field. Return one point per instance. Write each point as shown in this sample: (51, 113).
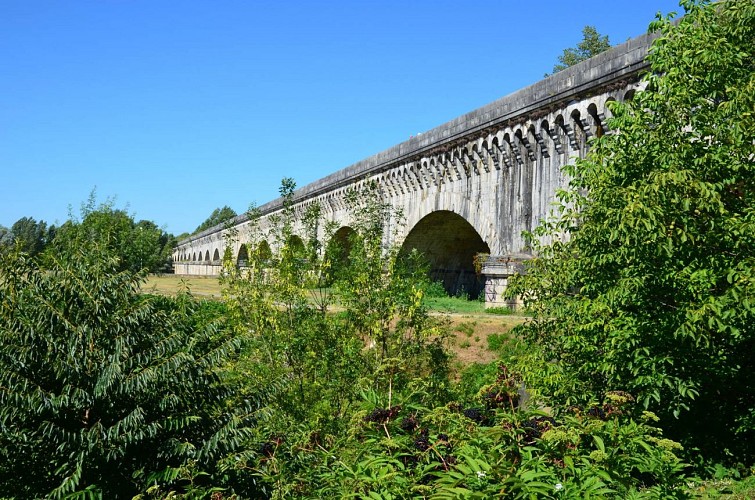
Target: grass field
(170, 284)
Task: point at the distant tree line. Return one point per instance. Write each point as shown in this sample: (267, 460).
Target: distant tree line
(138, 245)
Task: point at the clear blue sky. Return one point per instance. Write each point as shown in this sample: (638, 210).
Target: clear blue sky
(178, 107)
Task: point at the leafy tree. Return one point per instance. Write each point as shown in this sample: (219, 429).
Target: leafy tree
(29, 235)
(151, 247)
(282, 299)
(6, 239)
(137, 245)
(218, 216)
(105, 392)
(654, 291)
(592, 44)
(182, 237)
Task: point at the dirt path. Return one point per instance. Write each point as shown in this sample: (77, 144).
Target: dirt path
(470, 334)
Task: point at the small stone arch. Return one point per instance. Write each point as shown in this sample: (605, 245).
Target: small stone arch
(296, 245)
(597, 123)
(564, 135)
(511, 149)
(537, 145)
(489, 156)
(498, 152)
(407, 178)
(463, 155)
(264, 253)
(607, 110)
(580, 132)
(477, 159)
(338, 250)
(552, 133)
(207, 256)
(242, 257)
(450, 245)
(416, 175)
(216, 256)
(523, 145)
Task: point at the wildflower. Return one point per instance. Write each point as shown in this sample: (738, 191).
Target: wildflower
(480, 474)
(558, 486)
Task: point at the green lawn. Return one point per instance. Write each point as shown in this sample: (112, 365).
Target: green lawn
(455, 305)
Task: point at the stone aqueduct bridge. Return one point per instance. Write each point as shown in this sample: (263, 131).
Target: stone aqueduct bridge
(469, 186)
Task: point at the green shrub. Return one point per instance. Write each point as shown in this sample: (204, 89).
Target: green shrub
(502, 311)
(435, 289)
(496, 341)
(103, 391)
(653, 291)
(486, 449)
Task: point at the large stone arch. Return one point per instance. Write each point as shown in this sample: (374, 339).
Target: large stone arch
(450, 245)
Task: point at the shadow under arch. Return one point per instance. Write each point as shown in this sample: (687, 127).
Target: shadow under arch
(243, 256)
(338, 249)
(263, 252)
(450, 244)
(295, 244)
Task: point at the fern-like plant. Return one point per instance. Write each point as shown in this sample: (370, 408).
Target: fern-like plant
(105, 391)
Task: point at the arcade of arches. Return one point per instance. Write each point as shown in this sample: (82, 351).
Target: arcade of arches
(475, 184)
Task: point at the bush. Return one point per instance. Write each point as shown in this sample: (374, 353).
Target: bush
(103, 391)
(653, 292)
(502, 311)
(435, 289)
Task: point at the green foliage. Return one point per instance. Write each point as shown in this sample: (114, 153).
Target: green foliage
(435, 289)
(592, 44)
(29, 235)
(365, 407)
(455, 305)
(218, 216)
(103, 391)
(497, 341)
(383, 342)
(402, 449)
(654, 291)
(137, 245)
(501, 311)
(6, 239)
(472, 378)
(723, 483)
